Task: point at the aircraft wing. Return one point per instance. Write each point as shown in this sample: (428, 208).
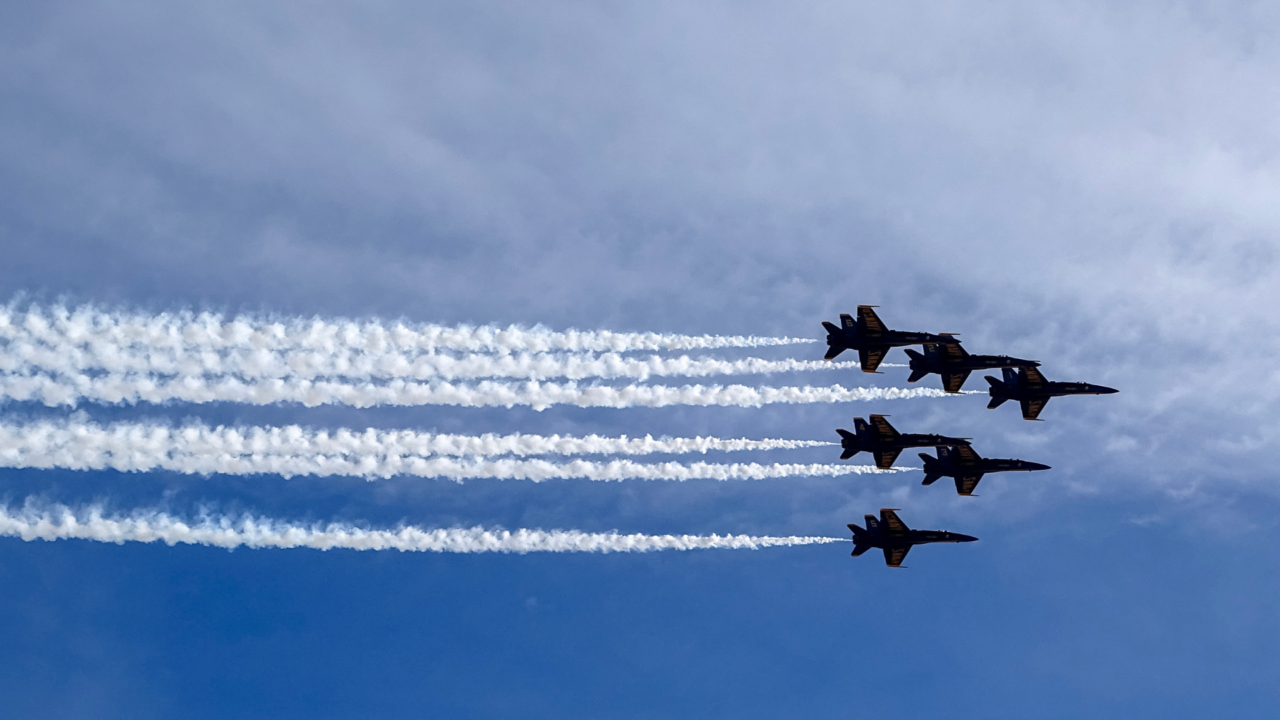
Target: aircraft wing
(966, 454)
(953, 351)
(870, 321)
(1034, 377)
(953, 381)
(1031, 408)
(965, 484)
(883, 428)
(885, 458)
(846, 321)
(871, 358)
(893, 525)
(893, 556)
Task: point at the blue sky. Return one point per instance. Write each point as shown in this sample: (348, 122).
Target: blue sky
(1088, 184)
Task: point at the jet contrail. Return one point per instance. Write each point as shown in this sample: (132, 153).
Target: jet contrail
(61, 523)
(99, 331)
(113, 389)
(137, 447)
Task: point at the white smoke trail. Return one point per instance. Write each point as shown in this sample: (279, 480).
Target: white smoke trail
(102, 333)
(79, 435)
(62, 523)
(195, 449)
(70, 391)
(22, 356)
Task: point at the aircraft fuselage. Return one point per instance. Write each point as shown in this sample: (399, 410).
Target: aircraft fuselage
(874, 443)
(939, 364)
(983, 466)
(1048, 390)
(851, 340)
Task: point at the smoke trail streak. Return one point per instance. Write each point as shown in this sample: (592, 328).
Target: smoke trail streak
(101, 332)
(24, 357)
(132, 447)
(61, 523)
(78, 435)
(113, 389)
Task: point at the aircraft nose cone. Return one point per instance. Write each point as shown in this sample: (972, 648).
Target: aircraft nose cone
(964, 538)
(1102, 390)
(1037, 466)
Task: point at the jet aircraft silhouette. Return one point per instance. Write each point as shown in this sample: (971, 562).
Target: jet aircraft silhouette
(869, 337)
(895, 538)
(968, 467)
(1032, 390)
(954, 364)
(885, 443)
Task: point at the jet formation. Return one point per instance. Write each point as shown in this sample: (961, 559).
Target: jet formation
(943, 355)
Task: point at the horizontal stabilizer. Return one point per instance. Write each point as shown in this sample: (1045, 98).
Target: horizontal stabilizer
(848, 453)
(831, 327)
(992, 381)
(995, 403)
(832, 352)
(846, 434)
(927, 457)
(930, 479)
(916, 375)
(913, 354)
(859, 549)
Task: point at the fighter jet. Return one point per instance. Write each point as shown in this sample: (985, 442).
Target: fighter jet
(885, 443)
(869, 337)
(895, 538)
(954, 364)
(967, 467)
(1028, 386)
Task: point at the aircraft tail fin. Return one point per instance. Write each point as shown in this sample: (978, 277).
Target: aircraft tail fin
(995, 403)
(1010, 376)
(872, 522)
